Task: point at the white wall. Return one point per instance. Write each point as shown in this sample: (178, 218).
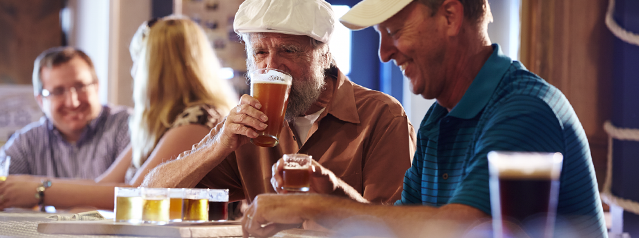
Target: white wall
(90, 33)
(505, 28)
(126, 17)
(103, 29)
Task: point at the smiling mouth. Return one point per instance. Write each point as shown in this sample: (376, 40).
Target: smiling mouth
(402, 66)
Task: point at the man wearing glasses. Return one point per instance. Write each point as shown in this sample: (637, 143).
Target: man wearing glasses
(78, 137)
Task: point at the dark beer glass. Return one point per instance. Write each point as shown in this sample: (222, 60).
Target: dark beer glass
(296, 176)
(271, 87)
(524, 187)
(218, 204)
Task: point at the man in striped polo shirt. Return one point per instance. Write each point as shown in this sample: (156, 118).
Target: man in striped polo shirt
(485, 102)
(78, 137)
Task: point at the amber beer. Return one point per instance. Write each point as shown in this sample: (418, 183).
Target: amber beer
(155, 205)
(128, 209)
(271, 87)
(175, 209)
(297, 179)
(156, 210)
(218, 211)
(195, 209)
(524, 190)
(128, 204)
(296, 176)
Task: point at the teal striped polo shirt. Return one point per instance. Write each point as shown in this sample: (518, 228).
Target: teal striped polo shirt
(506, 108)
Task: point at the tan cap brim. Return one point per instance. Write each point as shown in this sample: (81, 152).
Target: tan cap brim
(372, 12)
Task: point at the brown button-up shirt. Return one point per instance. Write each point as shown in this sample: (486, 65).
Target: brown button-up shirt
(363, 137)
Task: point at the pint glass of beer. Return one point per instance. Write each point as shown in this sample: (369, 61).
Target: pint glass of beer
(128, 204)
(176, 196)
(218, 204)
(271, 87)
(155, 205)
(196, 205)
(296, 175)
(524, 188)
(5, 161)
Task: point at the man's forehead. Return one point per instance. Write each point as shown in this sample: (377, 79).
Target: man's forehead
(267, 37)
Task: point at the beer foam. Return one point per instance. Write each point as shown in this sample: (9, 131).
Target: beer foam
(271, 76)
(294, 166)
(525, 165)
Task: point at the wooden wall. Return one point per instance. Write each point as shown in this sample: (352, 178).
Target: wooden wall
(27, 27)
(567, 43)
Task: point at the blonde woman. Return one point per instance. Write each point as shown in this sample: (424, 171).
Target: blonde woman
(178, 98)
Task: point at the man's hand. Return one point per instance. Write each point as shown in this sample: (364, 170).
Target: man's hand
(242, 123)
(19, 191)
(271, 213)
(323, 181)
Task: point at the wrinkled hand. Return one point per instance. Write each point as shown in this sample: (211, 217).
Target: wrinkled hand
(19, 191)
(323, 180)
(271, 213)
(241, 123)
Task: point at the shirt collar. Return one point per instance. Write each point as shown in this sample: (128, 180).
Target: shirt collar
(483, 86)
(342, 104)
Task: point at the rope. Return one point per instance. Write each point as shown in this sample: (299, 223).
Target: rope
(606, 195)
(616, 30)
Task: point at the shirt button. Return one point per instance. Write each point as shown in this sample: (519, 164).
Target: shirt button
(445, 176)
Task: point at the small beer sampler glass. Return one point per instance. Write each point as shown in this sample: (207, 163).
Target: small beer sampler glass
(218, 204)
(296, 176)
(128, 204)
(176, 196)
(155, 205)
(196, 205)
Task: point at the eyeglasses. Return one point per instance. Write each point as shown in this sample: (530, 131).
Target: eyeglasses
(60, 92)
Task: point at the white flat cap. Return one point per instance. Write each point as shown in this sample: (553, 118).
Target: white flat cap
(314, 18)
(372, 12)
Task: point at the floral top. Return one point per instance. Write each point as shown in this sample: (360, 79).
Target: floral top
(199, 114)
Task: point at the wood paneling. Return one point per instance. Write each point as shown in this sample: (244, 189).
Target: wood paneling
(567, 43)
(27, 27)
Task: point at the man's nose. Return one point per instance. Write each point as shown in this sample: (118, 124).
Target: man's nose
(71, 98)
(273, 61)
(386, 48)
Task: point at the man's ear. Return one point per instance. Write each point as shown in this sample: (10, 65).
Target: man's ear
(38, 99)
(453, 11)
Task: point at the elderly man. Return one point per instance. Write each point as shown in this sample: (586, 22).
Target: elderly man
(360, 139)
(485, 102)
(78, 137)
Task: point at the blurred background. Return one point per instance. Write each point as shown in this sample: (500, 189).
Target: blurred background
(565, 42)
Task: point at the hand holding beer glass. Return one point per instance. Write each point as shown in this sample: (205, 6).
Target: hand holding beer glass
(524, 189)
(296, 175)
(271, 87)
(5, 161)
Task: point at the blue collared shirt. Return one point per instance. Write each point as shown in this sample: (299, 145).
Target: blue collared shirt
(40, 149)
(506, 108)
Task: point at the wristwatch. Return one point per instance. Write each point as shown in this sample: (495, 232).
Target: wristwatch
(40, 193)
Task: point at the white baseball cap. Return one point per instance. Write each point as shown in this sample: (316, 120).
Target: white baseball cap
(372, 12)
(314, 18)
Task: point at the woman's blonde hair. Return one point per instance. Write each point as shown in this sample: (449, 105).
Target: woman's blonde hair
(174, 68)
